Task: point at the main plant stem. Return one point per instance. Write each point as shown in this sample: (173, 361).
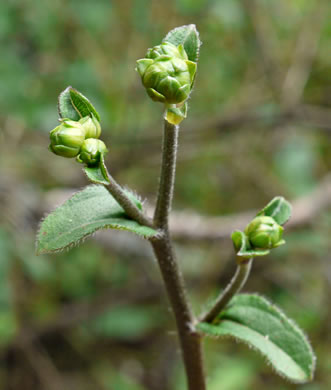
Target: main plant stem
(190, 340)
(236, 284)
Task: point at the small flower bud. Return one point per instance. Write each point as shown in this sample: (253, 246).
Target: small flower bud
(167, 74)
(67, 139)
(167, 49)
(91, 126)
(91, 151)
(264, 232)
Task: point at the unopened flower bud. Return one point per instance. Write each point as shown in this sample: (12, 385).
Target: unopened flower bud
(91, 126)
(167, 74)
(167, 49)
(67, 139)
(264, 232)
(91, 151)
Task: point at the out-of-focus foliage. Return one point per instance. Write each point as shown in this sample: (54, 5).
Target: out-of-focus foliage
(258, 125)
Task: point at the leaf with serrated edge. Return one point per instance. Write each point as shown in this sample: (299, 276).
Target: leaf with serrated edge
(256, 322)
(279, 209)
(84, 213)
(188, 36)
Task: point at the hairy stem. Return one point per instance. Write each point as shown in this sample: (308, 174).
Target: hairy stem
(167, 176)
(129, 207)
(236, 284)
(190, 340)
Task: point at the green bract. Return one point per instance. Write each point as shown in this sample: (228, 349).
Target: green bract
(67, 139)
(91, 126)
(264, 233)
(167, 74)
(91, 151)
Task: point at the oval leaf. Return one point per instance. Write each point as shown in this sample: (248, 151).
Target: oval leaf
(74, 105)
(256, 322)
(84, 213)
(279, 209)
(188, 36)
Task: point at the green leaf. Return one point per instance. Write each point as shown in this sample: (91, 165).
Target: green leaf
(65, 107)
(83, 214)
(82, 104)
(188, 36)
(74, 105)
(97, 174)
(279, 209)
(256, 322)
(242, 246)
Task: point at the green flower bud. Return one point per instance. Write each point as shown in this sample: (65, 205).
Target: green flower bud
(167, 74)
(91, 126)
(67, 139)
(167, 49)
(91, 151)
(264, 232)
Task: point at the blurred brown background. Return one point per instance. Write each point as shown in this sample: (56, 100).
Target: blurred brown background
(259, 125)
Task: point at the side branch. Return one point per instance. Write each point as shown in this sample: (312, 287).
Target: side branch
(129, 207)
(236, 284)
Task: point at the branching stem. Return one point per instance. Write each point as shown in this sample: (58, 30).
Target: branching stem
(236, 284)
(190, 340)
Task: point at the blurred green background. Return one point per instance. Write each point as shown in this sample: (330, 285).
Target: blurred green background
(259, 125)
